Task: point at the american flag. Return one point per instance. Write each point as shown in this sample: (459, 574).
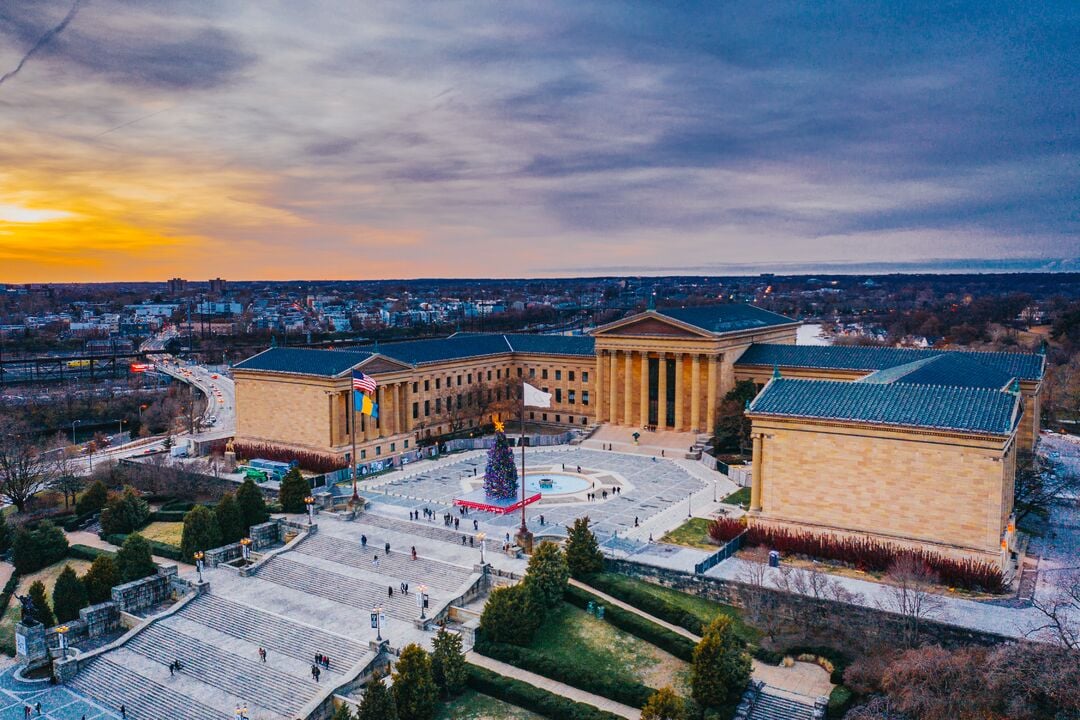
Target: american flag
(362, 382)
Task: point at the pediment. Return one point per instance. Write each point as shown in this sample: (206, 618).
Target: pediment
(381, 364)
(649, 325)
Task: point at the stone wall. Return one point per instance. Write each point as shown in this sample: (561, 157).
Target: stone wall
(869, 622)
(265, 535)
(221, 555)
(136, 596)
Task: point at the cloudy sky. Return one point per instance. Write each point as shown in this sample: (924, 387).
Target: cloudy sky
(142, 139)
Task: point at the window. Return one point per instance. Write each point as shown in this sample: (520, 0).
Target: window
(544, 388)
(438, 405)
(570, 376)
(532, 372)
(519, 372)
(407, 442)
(470, 378)
(543, 374)
(378, 449)
(584, 397)
(583, 422)
(427, 385)
(489, 375)
(415, 410)
(558, 418)
(427, 408)
(532, 415)
(558, 374)
(393, 447)
(363, 454)
(584, 376)
(570, 396)
(449, 403)
(558, 395)
(498, 374)
(545, 417)
(459, 380)
(438, 383)
(459, 400)
(416, 387)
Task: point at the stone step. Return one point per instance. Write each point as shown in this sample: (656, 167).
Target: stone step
(431, 529)
(433, 573)
(113, 685)
(338, 588)
(774, 707)
(273, 632)
(264, 686)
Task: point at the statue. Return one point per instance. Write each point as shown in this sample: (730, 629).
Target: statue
(28, 610)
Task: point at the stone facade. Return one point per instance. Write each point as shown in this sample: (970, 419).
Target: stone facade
(138, 595)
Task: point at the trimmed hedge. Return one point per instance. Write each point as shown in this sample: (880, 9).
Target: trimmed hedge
(530, 697)
(621, 690)
(168, 515)
(668, 640)
(648, 603)
(73, 523)
(157, 548)
(840, 701)
(9, 590)
(177, 505)
(86, 552)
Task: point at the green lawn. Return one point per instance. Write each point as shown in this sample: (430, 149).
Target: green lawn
(472, 705)
(624, 588)
(692, 533)
(48, 577)
(572, 636)
(168, 533)
(739, 497)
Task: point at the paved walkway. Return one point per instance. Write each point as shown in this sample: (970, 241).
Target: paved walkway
(82, 537)
(553, 686)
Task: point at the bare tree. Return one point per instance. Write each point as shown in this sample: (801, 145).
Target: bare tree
(878, 708)
(760, 603)
(1060, 606)
(813, 582)
(909, 594)
(1040, 485)
(65, 477)
(24, 467)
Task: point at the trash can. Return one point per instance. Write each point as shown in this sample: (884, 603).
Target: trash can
(774, 558)
(600, 612)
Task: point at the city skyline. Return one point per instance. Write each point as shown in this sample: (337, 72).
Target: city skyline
(269, 141)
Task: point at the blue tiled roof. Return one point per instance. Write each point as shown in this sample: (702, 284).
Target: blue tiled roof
(923, 406)
(419, 352)
(1026, 366)
(729, 317)
(954, 369)
(304, 361)
(553, 344)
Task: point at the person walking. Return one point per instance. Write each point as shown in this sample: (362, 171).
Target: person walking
(315, 673)
(172, 669)
(413, 552)
(475, 525)
(262, 654)
(386, 547)
(363, 541)
(38, 708)
(123, 711)
(390, 591)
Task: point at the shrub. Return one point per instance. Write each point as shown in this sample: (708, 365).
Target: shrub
(448, 662)
(535, 699)
(665, 704)
(9, 590)
(42, 612)
(415, 694)
(38, 548)
(667, 640)
(168, 516)
(724, 529)
(583, 555)
(86, 552)
(378, 701)
(619, 689)
(5, 534)
(548, 574)
(294, 488)
(229, 520)
(252, 504)
(69, 595)
(100, 579)
(133, 561)
(720, 667)
(177, 506)
(124, 513)
(512, 615)
(93, 499)
(311, 461)
(200, 532)
(840, 700)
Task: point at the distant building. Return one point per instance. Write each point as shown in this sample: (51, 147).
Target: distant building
(217, 285)
(176, 286)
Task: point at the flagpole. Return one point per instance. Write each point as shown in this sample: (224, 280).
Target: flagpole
(524, 529)
(355, 419)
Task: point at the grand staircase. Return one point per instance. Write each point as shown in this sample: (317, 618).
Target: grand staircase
(775, 704)
(112, 685)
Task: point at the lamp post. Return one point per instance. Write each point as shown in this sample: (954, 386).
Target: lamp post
(61, 633)
(245, 548)
(73, 424)
(376, 619)
(421, 598)
(714, 484)
(481, 537)
(199, 555)
(310, 502)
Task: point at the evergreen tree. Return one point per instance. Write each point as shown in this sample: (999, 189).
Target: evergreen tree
(583, 555)
(200, 532)
(294, 488)
(69, 595)
(720, 667)
(732, 432)
(42, 612)
(512, 614)
(229, 519)
(134, 560)
(378, 701)
(664, 704)
(5, 534)
(93, 499)
(252, 504)
(343, 713)
(124, 513)
(415, 693)
(548, 574)
(34, 549)
(448, 662)
(100, 579)
(500, 476)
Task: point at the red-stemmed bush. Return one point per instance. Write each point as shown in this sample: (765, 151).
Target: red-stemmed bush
(307, 460)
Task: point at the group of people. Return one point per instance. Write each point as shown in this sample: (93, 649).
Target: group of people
(175, 667)
(321, 662)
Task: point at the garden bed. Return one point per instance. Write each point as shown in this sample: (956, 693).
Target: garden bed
(472, 705)
(692, 533)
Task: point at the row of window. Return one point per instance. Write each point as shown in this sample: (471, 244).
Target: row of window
(467, 378)
(378, 449)
(558, 418)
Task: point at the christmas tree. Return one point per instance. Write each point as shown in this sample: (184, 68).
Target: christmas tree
(500, 476)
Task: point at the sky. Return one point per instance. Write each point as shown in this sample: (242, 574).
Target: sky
(276, 139)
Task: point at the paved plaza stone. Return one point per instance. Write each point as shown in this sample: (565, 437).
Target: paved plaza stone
(57, 702)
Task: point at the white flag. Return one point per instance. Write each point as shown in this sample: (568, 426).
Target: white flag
(535, 397)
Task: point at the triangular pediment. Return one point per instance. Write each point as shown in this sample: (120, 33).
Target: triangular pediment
(381, 364)
(649, 324)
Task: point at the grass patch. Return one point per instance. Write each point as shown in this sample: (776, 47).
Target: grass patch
(46, 575)
(472, 705)
(167, 533)
(573, 637)
(652, 598)
(692, 533)
(739, 497)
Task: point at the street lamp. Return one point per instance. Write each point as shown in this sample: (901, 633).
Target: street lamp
(481, 537)
(199, 555)
(376, 622)
(61, 633)
(245, 548)
(421, 599)
(310, 502)
(73, 424)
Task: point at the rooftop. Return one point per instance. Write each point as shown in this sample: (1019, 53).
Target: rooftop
(304, 361)
(725, 318)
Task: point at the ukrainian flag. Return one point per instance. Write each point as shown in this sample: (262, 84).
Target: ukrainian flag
(365, 406)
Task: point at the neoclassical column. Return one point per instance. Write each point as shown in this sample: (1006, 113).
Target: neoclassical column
(679, 392)
(661, 405)
(406, 402)
(710, 394)
(369, 427)
(695, 393)
(601, 390)
(613, 387)
(380, 394)
(755, 474)
(644, 388)
(332, 398)
(628, 389)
